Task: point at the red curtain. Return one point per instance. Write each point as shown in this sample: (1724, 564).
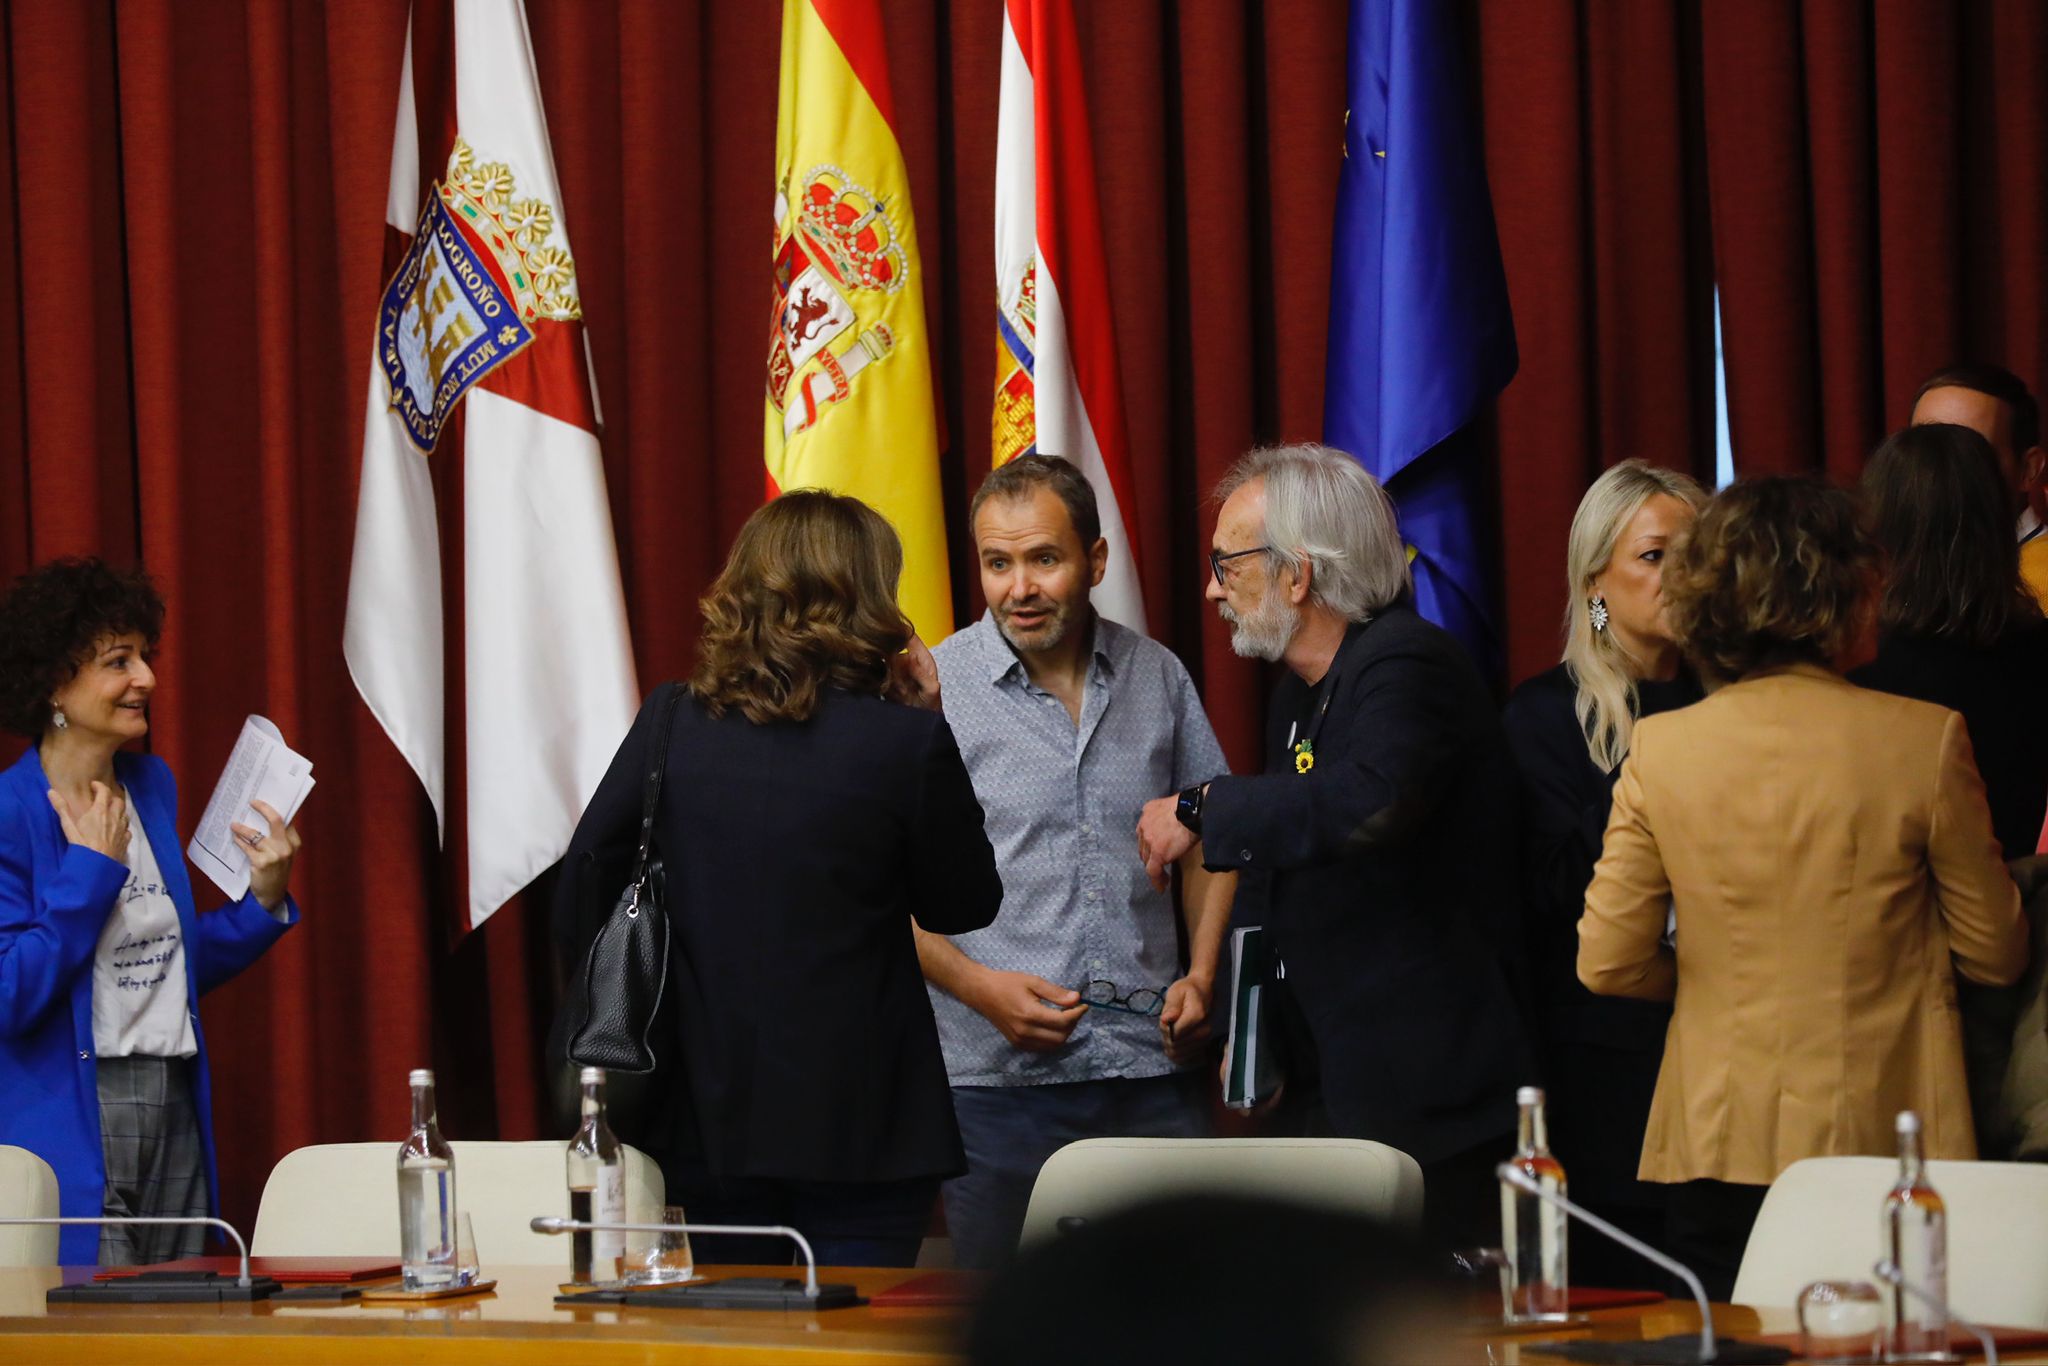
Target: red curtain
(1589, 115)
(1879, 210)
(190, 256)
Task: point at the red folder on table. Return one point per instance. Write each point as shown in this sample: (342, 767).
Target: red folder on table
(285, 1270)
(931, 1290)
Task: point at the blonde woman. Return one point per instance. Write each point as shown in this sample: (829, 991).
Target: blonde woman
(1570, 728)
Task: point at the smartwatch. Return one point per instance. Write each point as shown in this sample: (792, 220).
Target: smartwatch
(1188, 810)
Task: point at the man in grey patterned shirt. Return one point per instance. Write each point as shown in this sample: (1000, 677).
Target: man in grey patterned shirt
(1070, 1017)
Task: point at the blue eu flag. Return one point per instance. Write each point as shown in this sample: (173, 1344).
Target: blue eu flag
(1420, 332)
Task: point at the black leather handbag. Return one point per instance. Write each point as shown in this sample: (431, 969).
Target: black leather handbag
(614, 1011)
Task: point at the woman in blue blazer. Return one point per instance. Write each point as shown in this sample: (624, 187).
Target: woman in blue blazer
(102, 958)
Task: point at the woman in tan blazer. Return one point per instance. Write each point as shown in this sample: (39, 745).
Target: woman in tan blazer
(1825, 854)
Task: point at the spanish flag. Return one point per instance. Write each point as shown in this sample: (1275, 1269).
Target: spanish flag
(849, 365)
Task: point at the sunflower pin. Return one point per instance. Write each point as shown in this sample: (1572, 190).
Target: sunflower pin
(1304, 755)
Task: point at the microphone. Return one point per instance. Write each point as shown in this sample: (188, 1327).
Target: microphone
(1888, 1271)
(738, 1293)
(174, 1286)
(1514, 1176)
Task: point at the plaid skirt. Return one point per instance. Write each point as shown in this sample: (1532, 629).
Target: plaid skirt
(149, 1137)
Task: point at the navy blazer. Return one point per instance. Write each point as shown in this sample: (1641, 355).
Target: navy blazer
(796, 855)
(1386, 878)
(54, 900)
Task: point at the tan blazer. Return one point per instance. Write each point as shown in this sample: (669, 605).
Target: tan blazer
(1827, 849)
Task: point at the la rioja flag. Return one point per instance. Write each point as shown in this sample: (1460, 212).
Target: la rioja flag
(1057, 388)
(479, 387)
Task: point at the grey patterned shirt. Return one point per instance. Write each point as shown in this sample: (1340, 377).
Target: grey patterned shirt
(1061, 804)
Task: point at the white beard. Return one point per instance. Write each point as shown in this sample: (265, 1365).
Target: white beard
(1265, 631)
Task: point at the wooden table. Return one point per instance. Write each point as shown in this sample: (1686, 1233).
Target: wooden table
(519, 1323)
(516, 1323)
(1643, 1322)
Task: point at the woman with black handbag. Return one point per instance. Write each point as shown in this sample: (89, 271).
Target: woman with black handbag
(811, 803)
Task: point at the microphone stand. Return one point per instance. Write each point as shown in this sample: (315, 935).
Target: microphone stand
(736, 1293)
(1514, 1176)
(1889, 1272)
(174, 1286)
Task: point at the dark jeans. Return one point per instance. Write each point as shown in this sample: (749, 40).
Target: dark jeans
(848, 1223)
(1009, 1132)
(1706, 1227)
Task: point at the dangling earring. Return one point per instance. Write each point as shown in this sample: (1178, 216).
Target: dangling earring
(60, 720)
(1597, 609)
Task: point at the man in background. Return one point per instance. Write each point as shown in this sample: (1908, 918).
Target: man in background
(1995, 403)
(1071, 1017)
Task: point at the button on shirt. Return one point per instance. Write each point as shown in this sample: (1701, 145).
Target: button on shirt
(1061, 803)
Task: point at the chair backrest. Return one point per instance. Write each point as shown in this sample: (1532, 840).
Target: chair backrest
(341, 1200)
(1096, 1176)
(28, 1190)
(1822, 1220)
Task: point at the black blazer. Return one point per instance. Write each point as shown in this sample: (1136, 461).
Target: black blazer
(796, 855)
(1600, 1054)
(1999, 693)
(1386, 877)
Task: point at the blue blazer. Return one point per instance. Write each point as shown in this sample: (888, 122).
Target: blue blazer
(54, 900)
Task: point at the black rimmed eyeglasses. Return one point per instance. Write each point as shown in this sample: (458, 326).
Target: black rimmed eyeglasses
(1105, 996)
(1217, 557)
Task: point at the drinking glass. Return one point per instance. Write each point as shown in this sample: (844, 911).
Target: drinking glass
(661, 1258)
(467, 1271)
(1841, 1321)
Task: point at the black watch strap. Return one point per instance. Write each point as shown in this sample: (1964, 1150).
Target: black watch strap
(1188, 810)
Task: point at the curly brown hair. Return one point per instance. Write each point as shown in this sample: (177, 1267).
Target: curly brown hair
(806, 601)
(50, 620)
(1775, 571)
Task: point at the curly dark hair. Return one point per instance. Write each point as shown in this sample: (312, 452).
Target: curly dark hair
(1775, 571)
(806, 601)
(50, 620)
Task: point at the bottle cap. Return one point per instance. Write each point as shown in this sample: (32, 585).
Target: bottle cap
(421, 1076)
(1529, 1095)
(592, 1074)
(1908, 1122)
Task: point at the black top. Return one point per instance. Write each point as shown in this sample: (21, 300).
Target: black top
(1385, 875)
(1566, 799)
(796, 855)
(1999, 691)
(1601, 1054)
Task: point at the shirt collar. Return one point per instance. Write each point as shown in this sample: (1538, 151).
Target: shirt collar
(1001, 660)
(2029, 525)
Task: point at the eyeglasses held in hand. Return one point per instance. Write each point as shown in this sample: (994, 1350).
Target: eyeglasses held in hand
(1104, 996)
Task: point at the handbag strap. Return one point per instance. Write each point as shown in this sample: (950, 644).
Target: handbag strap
(650, 792)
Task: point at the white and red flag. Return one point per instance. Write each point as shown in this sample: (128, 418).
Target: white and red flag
(1057, 389)
(480, 387)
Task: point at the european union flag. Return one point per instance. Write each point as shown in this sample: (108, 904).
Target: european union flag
(1420, 332)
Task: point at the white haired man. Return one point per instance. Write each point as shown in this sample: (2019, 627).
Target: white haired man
(1378, 846)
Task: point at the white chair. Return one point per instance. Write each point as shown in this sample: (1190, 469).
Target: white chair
(1096, 1176)
(341, 1200)
(1822, 1221)
(28, 1190)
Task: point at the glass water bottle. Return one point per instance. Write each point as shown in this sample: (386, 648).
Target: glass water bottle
(597, 1188)
(426, 1195)
(1532, 1230)
(1916, 1240)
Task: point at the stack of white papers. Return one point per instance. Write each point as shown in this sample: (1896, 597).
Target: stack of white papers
(261, 768)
